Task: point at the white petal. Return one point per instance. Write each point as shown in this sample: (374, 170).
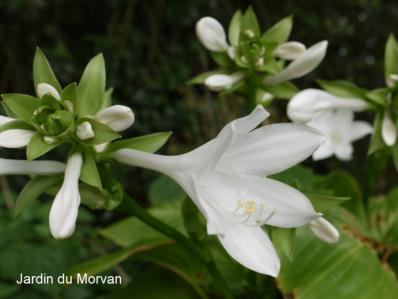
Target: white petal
(360, 129)
(323, 152)
(65, 207)
(270, 149)
(324, 230)
(252, 248)
(309, 103)
(344, 152)
(99, 148)
(44, 88)
(289, 50)
(23, 167)
(276, 203)
(85, 131)
(4, 120)
(15, 138)
(116, 117)
(211, 34)
(388, 130)
(220, 81)
(304, 64)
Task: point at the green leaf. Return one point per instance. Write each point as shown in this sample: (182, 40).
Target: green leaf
(376, 141)
(107, 98)
(201, 78)
(378, 96)
(221, 58)
(234, 28)
(37, 147)
(279, 32)
(345, 270)
(249, 22)
(391, 57)
(69, 93)
(91, 88)
(42, 71)
(108, 198)
(16, 124)
(323, 203)
(33, 189)
(285, 90)
(283, 238)
(193, 222)
(89, 172)
(102, 133)
(344, 89)
(165, 189)
(147, 143)
(22, 105)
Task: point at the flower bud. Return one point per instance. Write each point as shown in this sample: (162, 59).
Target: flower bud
(44, 88)
(324, 230)
(42, 167)
(289, 50)
(221, 82)
(211, 34)
(392, 80)
(15, 138)
(49, 139)
(85, 131)
(116, 117)
(388, 130)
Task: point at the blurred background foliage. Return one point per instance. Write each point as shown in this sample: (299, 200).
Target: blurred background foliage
(151, 50)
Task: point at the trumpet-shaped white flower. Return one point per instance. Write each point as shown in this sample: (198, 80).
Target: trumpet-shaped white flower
(224, 178)
(388, 130)
(15, 138)
(340, 131)
(65, 207)
(45, 88)
(23, 167)
(310, 103)
(302, 65)
(116, 117)
(85, 131)
(212, 34)
(324, 230)
(219, 82)
(289, 50)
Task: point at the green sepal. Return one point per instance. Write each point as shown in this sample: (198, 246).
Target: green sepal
(221, 59)
(102, 133)
(91, 88)
(22, 105)
(378, 97)
(69, 93)
(285, 90)
(343, 89)
(37, 147)
(391, 57)
(234, 28)
(250, 22)
(280, 31)
(16, 124)
(107, 98)
(89, 171)
(42, 71)
(201, 78)
(146, 143)
(376, 141)
(323, 203)
(33, 189)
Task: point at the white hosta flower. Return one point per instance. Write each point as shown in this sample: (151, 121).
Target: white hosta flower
(5, 119)
(310, 103)
(45, 88)
(23, 167)
(219, 82)
(302, 65)
(388, 130)
(15, 138)
(225, 179)
(212, 34)
(289, 50)
(116, 117)
(340, 131)
(85, 131)
(324, 230)
(65, 207)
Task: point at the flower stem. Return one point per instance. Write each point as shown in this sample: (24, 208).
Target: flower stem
(172, 233)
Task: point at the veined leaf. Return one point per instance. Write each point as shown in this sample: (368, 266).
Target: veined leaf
(234, 28)
(42, 71)
(89, 172)
(37, 147)
(391, 57)
(279, 32)
(22, 105)
(146, 143)
(344, 89)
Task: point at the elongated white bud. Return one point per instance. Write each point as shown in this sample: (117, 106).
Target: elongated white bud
(392, 80)
(44, 88)
(211, 34)
(5, 119)
(324, 230)
(65, 207)
(301, 66)
(15, 138)
(388, 130)
(23, 167)
(221, 82)
(290, 50)
(116, 117)
(85, 131)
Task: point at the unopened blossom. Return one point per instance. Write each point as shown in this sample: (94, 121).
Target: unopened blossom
(64, 210)
(225, 178)
(212, 34)
(219, 82)
(85, 131)
(23, 167)
(290, 50)
(45, 88)
(388, 129)
(324, 230)
(15, 138)
(117, 117)
(340, 130)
